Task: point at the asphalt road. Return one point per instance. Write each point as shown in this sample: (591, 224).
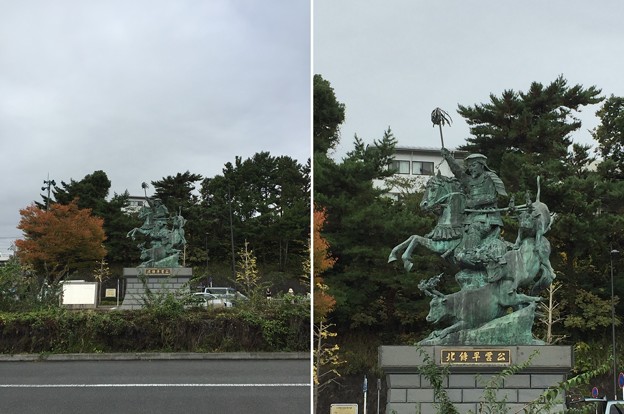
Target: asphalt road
(156, 386)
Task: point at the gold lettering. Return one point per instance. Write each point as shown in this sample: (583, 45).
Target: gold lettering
(473, 356)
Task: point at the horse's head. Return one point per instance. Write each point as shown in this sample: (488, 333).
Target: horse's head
(535, 220)
(438, 191)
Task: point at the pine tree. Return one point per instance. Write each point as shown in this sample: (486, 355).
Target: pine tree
(328, 114)
(610, 137)
(530, 129)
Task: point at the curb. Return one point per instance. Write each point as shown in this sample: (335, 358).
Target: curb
(158, 356)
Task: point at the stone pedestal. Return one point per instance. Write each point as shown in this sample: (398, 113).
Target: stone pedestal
(470, 368)
(158, 280)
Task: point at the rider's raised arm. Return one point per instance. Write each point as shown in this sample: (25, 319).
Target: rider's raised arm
(456, 169)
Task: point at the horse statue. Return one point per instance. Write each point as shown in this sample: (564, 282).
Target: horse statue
(527, 264)
(165, 244)
(176, 237)
(443, 195)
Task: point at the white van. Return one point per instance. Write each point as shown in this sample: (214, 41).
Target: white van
(225, 292)
(208, 300)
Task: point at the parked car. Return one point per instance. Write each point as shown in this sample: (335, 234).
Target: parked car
(208, 300)
(225, 292)
(614, 407)
(604, 406)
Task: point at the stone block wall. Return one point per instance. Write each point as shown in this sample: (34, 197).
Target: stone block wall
(409, 392)
(158, 281)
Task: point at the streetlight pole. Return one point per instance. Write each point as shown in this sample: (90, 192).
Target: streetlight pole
(232, 234)
(206, 236)
(615, 384)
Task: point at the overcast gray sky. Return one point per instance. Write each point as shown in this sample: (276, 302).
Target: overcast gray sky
(143, 89)
(392, 62)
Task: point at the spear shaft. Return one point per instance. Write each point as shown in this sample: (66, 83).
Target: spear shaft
(441, 136)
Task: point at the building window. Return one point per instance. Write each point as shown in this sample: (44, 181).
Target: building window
(400, 167)
(422, 168)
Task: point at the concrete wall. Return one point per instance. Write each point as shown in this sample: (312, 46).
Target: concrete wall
(158, 281)
(409, 392)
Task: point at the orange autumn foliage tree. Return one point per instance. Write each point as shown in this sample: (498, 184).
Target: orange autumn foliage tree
(325, 350)
(322, 261)
(61, 240)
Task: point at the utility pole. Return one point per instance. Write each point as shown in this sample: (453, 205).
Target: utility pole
(47, 185)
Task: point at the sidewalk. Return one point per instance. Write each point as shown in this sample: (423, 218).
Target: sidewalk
(132, 356)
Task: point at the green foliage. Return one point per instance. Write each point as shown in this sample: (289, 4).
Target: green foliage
(362, 225)
(535, 124)
(121, 250)
(436, 375)
(165, 302)
(490, 402)
(19, 288)
(177, 191)
(525, 135)
(265, 199)
(166, 329)
(591, 312)
(268, 198)
(92, 192)
(610, 136)
(282, 324)
(549, 398)
(328, 114)
(589, 355)
(246, 270)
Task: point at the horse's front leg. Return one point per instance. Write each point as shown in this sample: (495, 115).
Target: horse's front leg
(458, 326)
(398, 248)
(407, 254)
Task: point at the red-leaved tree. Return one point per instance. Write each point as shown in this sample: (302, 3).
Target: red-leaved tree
(60, 240)
(326, 358)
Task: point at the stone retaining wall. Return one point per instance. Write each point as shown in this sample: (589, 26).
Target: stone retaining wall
(157, 280)
(409, 392)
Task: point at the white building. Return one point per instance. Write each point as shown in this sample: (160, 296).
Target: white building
(414, 166)
(134, 204)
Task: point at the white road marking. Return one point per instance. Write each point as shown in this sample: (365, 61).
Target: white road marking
(144, 385)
